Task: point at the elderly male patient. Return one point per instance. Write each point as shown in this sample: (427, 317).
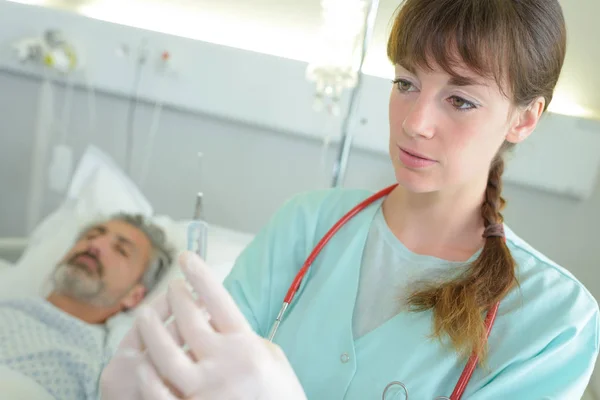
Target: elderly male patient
(61, 341)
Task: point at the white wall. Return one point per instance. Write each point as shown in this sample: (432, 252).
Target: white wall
(272, 92)
(567, 231)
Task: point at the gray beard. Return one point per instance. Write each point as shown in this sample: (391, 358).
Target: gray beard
(75, 282)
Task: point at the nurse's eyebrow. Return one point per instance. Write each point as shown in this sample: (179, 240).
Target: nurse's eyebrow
(465, 81)
(455, 80)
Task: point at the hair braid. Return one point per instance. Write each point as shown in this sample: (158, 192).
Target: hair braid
(459, 305)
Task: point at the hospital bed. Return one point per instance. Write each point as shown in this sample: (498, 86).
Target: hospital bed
(97, 190)
(224, 245)
(10, 250)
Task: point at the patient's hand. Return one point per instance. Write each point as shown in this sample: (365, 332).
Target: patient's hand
(226, 360)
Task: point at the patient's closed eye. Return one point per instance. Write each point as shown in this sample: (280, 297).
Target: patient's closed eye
(122, 251)
(95, 232)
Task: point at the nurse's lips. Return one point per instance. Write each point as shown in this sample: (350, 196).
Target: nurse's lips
(414, 160)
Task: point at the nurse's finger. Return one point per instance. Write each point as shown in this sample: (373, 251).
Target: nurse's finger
(173, 330)
(192, 321)
(225, 314)
(131, 343)
(161, 306)
(168, 358)
(151, 385)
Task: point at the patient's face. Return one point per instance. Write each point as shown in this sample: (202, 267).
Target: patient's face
(105, 266)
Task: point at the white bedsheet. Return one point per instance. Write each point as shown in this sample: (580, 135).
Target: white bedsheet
(17, 386)
(4, 264)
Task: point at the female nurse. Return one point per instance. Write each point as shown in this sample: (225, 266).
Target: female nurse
(400, 299)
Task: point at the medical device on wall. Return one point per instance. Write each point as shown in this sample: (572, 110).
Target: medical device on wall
(54, 57)
(144, 57)
(344, 37)
(51, 50)
(140, 59)
(163, 64)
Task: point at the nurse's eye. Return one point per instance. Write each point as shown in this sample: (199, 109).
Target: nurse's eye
(404, 86)
(461, 104)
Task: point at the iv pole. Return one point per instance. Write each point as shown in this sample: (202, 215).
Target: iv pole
(341, 164)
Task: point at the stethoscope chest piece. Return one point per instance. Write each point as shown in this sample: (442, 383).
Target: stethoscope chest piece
(390, 386)
(402, 389)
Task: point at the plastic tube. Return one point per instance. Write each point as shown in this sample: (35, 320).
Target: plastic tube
(41, 143)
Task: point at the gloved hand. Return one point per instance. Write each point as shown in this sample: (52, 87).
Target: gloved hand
(226, 360)
(120, 378)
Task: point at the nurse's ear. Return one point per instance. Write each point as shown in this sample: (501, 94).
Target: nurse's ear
(525, 120)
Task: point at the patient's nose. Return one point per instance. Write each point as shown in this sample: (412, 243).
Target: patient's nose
(94, 250)
(99, 245)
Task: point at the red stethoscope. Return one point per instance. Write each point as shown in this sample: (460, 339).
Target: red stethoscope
(471, 363)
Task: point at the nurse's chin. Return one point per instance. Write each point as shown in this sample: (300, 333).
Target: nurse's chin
(416, 181)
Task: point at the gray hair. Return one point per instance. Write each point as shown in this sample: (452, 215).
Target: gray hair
(162, 251)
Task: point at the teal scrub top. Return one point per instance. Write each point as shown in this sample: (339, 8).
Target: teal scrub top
(543, 345)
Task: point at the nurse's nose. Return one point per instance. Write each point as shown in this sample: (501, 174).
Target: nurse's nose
(420, 121)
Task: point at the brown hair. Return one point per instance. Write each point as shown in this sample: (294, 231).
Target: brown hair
(521, 44)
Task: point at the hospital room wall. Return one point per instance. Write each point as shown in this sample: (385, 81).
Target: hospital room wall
(249, 171)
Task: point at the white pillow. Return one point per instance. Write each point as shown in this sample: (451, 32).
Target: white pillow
(98, 189)
(5, 264)
(129, 196)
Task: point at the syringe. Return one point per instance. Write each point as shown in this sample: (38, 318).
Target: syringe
(198, 230)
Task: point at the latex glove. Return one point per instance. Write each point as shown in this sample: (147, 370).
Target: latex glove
(226, 359)
(119, 380)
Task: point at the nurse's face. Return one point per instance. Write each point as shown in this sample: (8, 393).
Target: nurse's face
(444, 132)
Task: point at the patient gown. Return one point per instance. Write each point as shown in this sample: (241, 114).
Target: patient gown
(63, 354)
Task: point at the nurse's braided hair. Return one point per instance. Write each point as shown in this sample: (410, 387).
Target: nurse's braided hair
(522, 45)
